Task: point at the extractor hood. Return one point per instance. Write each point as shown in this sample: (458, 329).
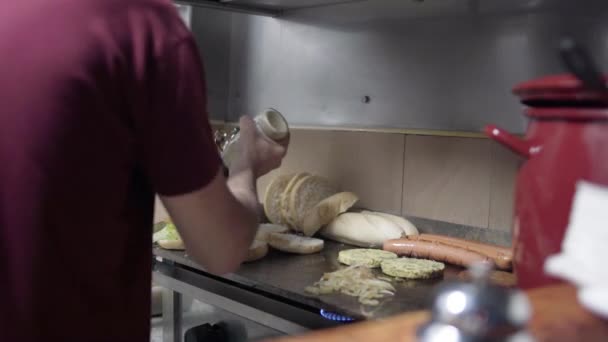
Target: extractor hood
(273, 8)
(413, 8)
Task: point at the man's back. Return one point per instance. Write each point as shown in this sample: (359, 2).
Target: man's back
(78, 79)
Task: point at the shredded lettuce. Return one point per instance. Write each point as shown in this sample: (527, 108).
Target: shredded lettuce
(169, 232)
(159, 226)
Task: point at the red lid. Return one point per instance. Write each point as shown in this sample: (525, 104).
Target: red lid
(568, 113)
(560, 90)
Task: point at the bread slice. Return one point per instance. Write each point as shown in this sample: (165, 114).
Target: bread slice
(410, 268)
(172, 244)
(257, 251)
(326, 211)
(285, 196)
(357, 230)
(371, 258)
(307, 193)
(265, 229)
(272, 204)
(292, 243)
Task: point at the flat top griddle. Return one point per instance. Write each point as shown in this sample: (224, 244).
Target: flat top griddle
(287, 275)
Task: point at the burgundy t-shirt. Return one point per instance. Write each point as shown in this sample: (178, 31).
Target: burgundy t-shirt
(102, 104)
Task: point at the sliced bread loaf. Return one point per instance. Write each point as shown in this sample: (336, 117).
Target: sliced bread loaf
(326, 211)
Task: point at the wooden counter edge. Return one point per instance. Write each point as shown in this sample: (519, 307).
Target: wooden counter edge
(557, 317)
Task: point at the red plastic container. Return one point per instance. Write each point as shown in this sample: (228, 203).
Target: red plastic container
(566, 141)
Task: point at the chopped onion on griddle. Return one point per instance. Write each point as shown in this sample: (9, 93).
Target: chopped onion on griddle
(357, 281)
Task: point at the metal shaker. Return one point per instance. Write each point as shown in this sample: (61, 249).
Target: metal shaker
(269, 122)
(477, 312)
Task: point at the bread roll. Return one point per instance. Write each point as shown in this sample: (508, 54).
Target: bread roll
(359, 230)
(326, 211)
(172, 244)
(295, 244)
(407, 226)
(265, 229)
(257, 251)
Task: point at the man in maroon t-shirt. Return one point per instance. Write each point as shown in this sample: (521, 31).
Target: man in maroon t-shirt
(102, 105)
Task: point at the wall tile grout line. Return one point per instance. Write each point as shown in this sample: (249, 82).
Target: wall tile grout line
(492, 161)
(403, 168)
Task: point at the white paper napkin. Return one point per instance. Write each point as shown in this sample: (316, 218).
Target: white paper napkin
(582, 260)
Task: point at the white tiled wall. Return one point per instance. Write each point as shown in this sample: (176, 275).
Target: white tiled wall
(447, 179)
(460, 180)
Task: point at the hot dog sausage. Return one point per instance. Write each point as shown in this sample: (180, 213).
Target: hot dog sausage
(502, 256)
(435, 251)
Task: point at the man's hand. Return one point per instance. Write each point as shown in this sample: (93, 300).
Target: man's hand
(258, 152)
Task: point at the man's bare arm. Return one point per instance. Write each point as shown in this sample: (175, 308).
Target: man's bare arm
(218, 222)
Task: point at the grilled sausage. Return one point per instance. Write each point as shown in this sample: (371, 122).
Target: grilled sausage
(502, 256)
(435, 251)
